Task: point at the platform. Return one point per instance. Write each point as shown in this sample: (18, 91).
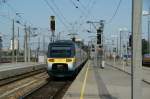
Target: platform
(108, 83)
(122, 66)
(12, 69)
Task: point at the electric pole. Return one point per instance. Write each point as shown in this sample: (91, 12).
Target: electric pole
(99, 45)
(25, 45)
(117, 45)
(17, 52)
(59, 36)
(120, 44)
(149, 30)
(13, 37)
(29, 32)
(44, 43)
(136, 67)
(38, 49)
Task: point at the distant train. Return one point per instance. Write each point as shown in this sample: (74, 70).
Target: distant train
(146, 60)
(64, 58)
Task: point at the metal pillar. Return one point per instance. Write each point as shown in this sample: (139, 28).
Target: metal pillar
(28, 43)
(17, 54)
(149, 30)
(38, 49)
(25, 45)
(117, 46)
(120, 43)
(136, 68)
(13, 37)
(44, 43)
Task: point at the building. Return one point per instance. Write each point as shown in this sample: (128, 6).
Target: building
(15, 44)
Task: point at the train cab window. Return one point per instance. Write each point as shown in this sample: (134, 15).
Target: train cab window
(61, 51)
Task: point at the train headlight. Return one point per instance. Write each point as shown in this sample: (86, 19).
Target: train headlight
(69, 60)
(50, 60)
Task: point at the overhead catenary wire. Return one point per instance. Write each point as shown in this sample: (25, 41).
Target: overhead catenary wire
(115, 13)
(73, 4)
(89, 2)
(91, 6)
(53, 10)
(89, 9)
(15, 12)
(83, 11)
(77, 7)
(82, 5)
(4, 15)
(59, 11)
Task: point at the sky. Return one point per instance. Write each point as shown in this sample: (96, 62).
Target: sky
(71, 17)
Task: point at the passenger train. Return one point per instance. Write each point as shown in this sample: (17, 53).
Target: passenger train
(64, 58)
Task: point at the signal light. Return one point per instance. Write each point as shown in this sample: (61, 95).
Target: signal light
(53, 25)
(99, 31)
(98, 38)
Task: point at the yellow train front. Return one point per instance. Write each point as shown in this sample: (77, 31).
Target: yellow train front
(64, 58)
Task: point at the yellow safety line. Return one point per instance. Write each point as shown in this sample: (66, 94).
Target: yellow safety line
(84, 83)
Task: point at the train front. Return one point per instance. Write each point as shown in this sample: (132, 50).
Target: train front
(61, 61)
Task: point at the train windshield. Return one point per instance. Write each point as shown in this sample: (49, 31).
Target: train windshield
(61, 51)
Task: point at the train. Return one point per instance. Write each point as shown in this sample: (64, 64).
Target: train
(146, 60)
(64, 58)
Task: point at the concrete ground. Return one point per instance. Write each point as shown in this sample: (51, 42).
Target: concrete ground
(121, 65)
(108, 83)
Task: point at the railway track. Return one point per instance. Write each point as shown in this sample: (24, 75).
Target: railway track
(34, 85)
(54, 89)
(19, 77)
(18, 88)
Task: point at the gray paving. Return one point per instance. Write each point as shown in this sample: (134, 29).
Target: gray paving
(107, 83)
(127, 68)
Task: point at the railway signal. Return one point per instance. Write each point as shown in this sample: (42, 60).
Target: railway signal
(52, 27)
(99, 36)
(130, 40)
(52, 23)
